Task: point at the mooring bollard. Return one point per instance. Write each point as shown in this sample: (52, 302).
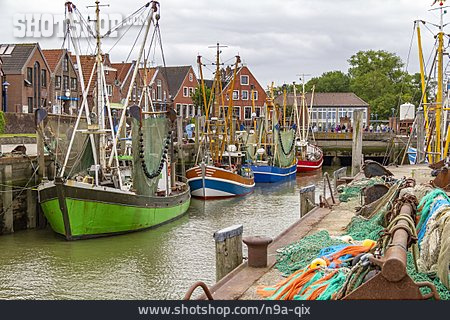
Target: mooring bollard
(228, 250)
(307, 199)
(7, 200)
(257, 250)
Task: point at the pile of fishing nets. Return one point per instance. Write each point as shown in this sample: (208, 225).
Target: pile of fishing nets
(353, 189)
(321, 267)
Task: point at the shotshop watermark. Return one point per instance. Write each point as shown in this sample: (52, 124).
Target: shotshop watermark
(47, 25)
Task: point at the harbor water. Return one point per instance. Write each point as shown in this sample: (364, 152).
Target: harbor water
(156, 264)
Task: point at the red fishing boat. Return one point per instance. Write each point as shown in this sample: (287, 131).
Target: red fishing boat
(309, 156)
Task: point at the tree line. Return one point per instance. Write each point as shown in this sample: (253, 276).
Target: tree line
(377, 77)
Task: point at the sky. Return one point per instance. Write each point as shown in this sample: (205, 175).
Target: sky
(277, 39)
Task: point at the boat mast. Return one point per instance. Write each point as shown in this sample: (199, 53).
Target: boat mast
(153, 10)
(100, 93)
(439, 97)
(424, 90)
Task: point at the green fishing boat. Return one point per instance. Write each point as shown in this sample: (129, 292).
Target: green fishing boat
(106, 185)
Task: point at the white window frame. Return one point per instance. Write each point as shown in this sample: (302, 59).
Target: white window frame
(185, 92)
(109, 89)
(191, 77)
(248, 108)
(186, 110)
(191, 91)
(243, 77)
(242, 95)
(235, 95)
(255, 94)
(258, 110)
(239, 112)
(179, 110)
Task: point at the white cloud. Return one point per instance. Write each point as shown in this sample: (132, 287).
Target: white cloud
(276, 39)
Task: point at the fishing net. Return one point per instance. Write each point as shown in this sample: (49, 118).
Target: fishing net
(300, 254)
(353, 189)
(57, 133)
(251, 146)
(154, 133)
(285, 153)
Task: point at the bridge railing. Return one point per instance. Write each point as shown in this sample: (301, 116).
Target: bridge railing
(349, 135)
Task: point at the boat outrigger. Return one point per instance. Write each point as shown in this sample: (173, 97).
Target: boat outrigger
(270, 145)
(220, 173)
(309, 156)
(97, 191)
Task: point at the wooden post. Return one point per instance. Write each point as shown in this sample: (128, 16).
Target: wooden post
(339, 173)
(307, 199)
(180, 144)
(197, 132)
(40, 152)
(228, 250)
(7, 199)
(420, 136)
(31, 208)
(357, 141)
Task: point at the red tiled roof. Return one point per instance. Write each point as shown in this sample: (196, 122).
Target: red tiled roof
(53, 56)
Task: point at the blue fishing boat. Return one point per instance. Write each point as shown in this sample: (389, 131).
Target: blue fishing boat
(270, 146)
(264, 173)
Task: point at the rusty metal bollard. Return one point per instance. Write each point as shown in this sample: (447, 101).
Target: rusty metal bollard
(257, 250)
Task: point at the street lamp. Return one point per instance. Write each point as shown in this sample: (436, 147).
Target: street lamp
(5, 95)
(393, 112)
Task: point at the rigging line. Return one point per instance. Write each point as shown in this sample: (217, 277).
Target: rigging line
(406, 68)
(120, 38)
(83, 20)
(134, 44)
(162, 55)
(151, 44)
(125, 20)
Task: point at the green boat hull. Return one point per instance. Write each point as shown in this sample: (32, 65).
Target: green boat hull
(78, 213)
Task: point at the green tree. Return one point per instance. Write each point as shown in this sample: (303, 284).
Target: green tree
(331, 81)
(197, 97)
(377, 77)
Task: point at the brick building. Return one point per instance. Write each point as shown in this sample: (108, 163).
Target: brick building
(65, 91)
(181, 81)
(157, 85)
(245, 86)
(27, 72)
(1, 84)
(87, 64)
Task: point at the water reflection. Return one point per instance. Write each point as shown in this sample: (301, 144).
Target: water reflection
(155, 264)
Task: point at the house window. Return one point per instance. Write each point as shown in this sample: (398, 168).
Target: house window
(244, 80)
(30, 104)
(58, 82)
(73, 84)
(153, 94)
(191, 77)
(235, 94)
(66, 82)
(237, 112)
(185, 92)
(191, 91)
(247, 113)
(30, 75)
(258, 111)
(44, 78)
(159, 90)
(244, 94)
(109, 89)
(66, 64)
(179, 109)
(255, 95)
(185, 110)
(165, 95)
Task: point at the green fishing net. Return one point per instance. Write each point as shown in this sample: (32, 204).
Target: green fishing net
(353, 189)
